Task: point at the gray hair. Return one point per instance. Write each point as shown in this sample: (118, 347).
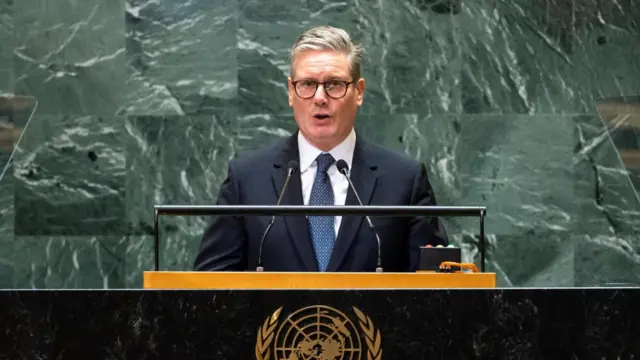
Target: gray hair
(329, 38)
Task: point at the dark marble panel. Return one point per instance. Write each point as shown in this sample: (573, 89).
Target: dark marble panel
(5, 153)
(411, 63)
(535, 259)
(501, 324)
(549, 56)
(51, 262)
(6, 229)
(6, 193)
(520, 168)
(607, 202)
(70, 55)
(608, 206)
(607, 260)
(173, 160)
(139, 256)
(259, 130)
(7, 265)
(621, 116)
(70, 177)
(522, 171)
(506, 163)
(181, 56)
(6, 47)
(6, 203)
(179, 243)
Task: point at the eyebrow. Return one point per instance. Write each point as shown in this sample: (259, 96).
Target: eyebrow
(316, 80)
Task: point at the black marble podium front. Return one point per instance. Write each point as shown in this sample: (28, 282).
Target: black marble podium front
(596, 323)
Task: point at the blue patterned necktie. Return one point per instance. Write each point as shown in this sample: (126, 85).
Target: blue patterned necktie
(322, 227)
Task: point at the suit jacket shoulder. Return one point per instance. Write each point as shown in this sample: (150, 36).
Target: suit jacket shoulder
(392, 161)
(259, 159)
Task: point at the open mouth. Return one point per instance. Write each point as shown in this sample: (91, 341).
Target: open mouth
(321, 116)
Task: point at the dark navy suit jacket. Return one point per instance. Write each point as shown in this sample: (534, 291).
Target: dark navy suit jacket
(381, 177)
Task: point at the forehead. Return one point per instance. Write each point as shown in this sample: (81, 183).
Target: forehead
(321, 64)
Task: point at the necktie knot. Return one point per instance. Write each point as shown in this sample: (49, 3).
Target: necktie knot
(324, 162)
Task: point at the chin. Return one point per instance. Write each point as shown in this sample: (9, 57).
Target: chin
(324, 133)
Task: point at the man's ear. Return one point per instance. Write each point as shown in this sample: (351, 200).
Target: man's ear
(291, 91)
(359, 85)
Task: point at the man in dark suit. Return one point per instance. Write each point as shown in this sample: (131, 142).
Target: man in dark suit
(325, 92)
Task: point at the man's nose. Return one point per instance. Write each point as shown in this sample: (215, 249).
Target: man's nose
(320, 97)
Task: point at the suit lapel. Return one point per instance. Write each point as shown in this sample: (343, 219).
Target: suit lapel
(364, 178)
(296, 225)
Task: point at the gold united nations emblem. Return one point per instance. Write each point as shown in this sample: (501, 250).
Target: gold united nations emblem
(318, 333)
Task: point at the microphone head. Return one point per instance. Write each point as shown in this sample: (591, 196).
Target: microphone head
(342, 166)
(292, 165)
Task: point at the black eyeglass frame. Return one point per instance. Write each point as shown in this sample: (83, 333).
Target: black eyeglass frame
(346, 87)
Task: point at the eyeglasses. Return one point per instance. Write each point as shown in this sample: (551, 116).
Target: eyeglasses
(336, 89)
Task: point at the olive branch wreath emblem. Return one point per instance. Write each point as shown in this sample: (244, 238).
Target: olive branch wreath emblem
(266, 334)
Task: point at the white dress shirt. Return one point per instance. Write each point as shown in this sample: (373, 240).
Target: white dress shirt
(308, 167)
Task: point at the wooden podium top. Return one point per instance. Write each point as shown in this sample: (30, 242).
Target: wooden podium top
(314, 280)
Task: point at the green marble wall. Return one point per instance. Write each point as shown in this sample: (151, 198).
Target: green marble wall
(144, 103)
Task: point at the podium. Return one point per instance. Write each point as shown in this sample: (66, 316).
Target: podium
(315, 280)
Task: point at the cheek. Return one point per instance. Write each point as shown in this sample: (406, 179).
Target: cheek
(348, 111)
(300, 112)
(301, 109)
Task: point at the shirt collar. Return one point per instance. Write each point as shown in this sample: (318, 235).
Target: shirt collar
(309, 153)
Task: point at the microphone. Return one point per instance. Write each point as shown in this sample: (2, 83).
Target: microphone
(344, 170)
(292, 166)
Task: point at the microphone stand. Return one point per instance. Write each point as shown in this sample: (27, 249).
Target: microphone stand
(290, 171)
(344, 170)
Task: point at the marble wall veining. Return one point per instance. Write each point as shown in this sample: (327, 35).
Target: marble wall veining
(144, 102)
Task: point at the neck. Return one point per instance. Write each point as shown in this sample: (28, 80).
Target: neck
(328, 145)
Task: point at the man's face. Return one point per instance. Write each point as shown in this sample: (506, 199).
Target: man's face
(323, 120)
